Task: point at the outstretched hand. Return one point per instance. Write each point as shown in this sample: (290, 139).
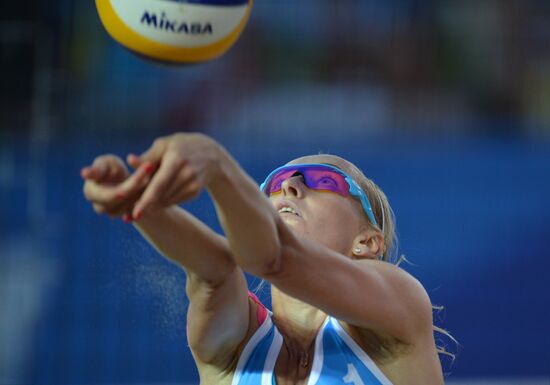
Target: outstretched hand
(184, 164)
(106, 180)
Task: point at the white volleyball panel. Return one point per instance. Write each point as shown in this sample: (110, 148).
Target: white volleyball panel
(179, 24)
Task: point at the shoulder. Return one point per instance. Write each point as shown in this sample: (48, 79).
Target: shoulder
(401, 281)
(406, 289)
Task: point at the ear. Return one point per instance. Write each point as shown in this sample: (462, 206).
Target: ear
(369, 244)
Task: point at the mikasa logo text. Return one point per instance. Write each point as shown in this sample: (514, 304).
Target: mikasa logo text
(195, 28)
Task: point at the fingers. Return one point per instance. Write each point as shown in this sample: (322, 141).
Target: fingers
(98, 208)
(99, 193)
(112, 212)
(105, 200)
(109, 186)
(120, 210)
(111, 195)
(188, 188)
(127, 218)
(94, 172)
(136, 182)
(163, 178)
(185, 187)
(108, 168)
(133, 160)
(155, 153)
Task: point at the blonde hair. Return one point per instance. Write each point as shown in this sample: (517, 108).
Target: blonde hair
(385, 218)
(382, 210)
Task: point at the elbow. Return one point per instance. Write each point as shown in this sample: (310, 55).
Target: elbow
(272, 266)
(269, 258)
(266, 262)
(273, 261)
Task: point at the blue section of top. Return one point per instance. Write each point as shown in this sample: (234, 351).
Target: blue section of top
(340, 364)
(212, 2)
(253, 369)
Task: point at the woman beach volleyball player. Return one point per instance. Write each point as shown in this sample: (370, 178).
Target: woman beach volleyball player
(318, 230)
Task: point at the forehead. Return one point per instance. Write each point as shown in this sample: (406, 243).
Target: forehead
(333, 160)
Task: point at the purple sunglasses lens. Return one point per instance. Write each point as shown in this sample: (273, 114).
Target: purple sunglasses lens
(315, 178)
(276, 182)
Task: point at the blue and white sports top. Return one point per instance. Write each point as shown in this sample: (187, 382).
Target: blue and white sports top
(338, 360)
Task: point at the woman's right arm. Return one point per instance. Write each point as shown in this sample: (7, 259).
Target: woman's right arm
(218, 315)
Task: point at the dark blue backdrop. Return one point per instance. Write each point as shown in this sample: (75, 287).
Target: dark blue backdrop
(473, 219)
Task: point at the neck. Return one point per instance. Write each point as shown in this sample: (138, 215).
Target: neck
(297, 321)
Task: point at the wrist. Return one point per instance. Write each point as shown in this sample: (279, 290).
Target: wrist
(220, 177)
(152, 217)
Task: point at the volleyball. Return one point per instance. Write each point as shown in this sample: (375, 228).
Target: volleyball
(177, 31)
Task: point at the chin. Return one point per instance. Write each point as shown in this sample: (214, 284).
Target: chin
(295, 224)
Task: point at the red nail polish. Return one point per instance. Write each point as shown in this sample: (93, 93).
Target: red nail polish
(126, 218)
(149, 168)
(120, 195)
(138, 215)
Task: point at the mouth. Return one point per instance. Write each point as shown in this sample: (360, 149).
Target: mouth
(288, 210)
(285, 208)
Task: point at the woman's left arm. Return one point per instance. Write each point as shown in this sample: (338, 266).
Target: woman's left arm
(364, 293)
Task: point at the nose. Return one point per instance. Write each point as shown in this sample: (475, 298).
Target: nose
(293, 186)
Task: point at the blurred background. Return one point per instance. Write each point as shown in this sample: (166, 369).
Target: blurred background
(445, 104)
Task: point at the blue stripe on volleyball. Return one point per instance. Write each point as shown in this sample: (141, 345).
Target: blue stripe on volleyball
(211, 2)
